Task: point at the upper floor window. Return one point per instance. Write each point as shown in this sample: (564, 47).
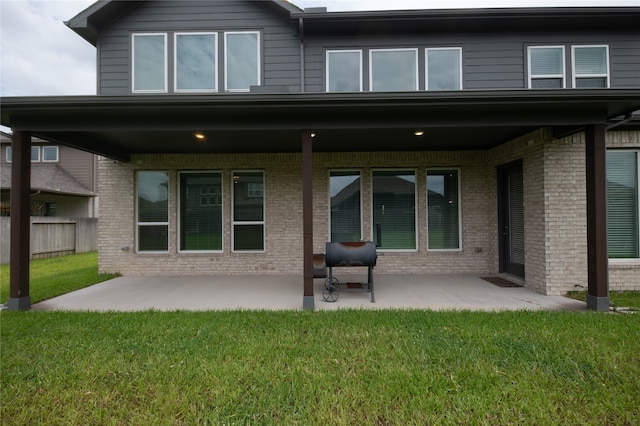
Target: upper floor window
(344, 71)
(149, 63)
(196, 62)
(49, 154)
(242, 60)
(393, 70)
(546, 67)
(590, 66)
(444, 68)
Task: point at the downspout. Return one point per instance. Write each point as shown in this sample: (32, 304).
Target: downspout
(627, 118)
(301, 32)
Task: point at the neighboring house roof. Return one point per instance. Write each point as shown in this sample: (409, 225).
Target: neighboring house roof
(50, 178)
(102, 13)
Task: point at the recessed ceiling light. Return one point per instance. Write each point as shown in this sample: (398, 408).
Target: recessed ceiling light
(419, 132)
(313, 134)
(199, 136)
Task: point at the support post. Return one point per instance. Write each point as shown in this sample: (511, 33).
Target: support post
(597, 255)
(20, 205)
(308, 302)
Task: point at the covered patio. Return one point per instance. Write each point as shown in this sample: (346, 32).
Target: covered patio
(121, 127)
(201, 293)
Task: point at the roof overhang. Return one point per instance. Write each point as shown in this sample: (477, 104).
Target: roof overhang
(120, 126)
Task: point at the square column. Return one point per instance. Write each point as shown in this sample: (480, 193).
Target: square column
(307, 219)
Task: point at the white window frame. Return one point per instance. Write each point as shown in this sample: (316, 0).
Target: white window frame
(408, 49)
(263, 222)
(426, 180)
(133, 63)
(222, 218)
(8, 154)
(175, 63)
(359, 171)
(259, 61)
(358, 51)
(573, 65)
(416, 207)
(167, 223)
(530, 77)
(633, 260)
(426, 65)
(57, 151)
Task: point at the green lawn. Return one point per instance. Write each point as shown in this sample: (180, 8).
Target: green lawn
(56, 275)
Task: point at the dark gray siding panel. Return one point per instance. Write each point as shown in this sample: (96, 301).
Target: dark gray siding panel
(280, 46)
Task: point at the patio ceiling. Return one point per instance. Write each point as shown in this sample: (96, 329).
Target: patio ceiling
(119, 126)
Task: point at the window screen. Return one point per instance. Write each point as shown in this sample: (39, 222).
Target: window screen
(443, 210)
(248, 211)
(200, 211)
(345, 192)
(153, 211)
(394, 202)
(622, 204)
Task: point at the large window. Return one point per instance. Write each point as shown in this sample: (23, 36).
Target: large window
(444, 69)
(248, 211)
(196, 62)
(345, 200)
(153, 211)
(200, 211)
(546, 67)
(623, 204)
(590, 66)
(393, 70)
(394, 208)
(344, 71)
(443, 209)
(149, 63)
(242, 61)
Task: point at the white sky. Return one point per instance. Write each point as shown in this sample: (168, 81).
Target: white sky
(40, 56)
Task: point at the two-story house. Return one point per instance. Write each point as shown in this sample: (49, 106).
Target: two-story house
(63, 180)
(240, 136)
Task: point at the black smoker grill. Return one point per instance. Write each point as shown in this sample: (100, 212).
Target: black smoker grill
(346, 254)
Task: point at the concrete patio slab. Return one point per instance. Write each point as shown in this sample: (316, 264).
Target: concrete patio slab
(200, 293)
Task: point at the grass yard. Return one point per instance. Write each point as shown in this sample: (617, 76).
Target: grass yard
(344, 367)
(56, 275)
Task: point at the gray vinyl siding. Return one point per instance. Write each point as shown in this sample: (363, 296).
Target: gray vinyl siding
(79, 164)
(489, 62)
(280, 45)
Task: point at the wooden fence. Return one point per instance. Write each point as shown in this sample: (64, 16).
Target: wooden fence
(54, 236)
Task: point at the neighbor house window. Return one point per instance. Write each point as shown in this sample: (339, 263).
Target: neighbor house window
(443, 209)
(242, 61)
(546, 67)
(153, 211)
(248, 211)
(444, 68)
(8, 154)
(35, 154)
(393, 70)
(394, 208)
(200, 211)
(50, 154)
(196, 62)
(590, 66)
(345, 191)
(344, 71)
(623, 207)
(149, 63)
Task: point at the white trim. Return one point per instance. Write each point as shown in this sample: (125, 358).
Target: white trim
(327, 76)
(359, 171)
(530, 77)
(412, 49)
(222, 206)
(415, 219)
(459, 173)
(137, 210)
(258, 57)
(54, 147)
(573, 65)
(426, 65)
(175, 63)
(263, 222)
(133, 63)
